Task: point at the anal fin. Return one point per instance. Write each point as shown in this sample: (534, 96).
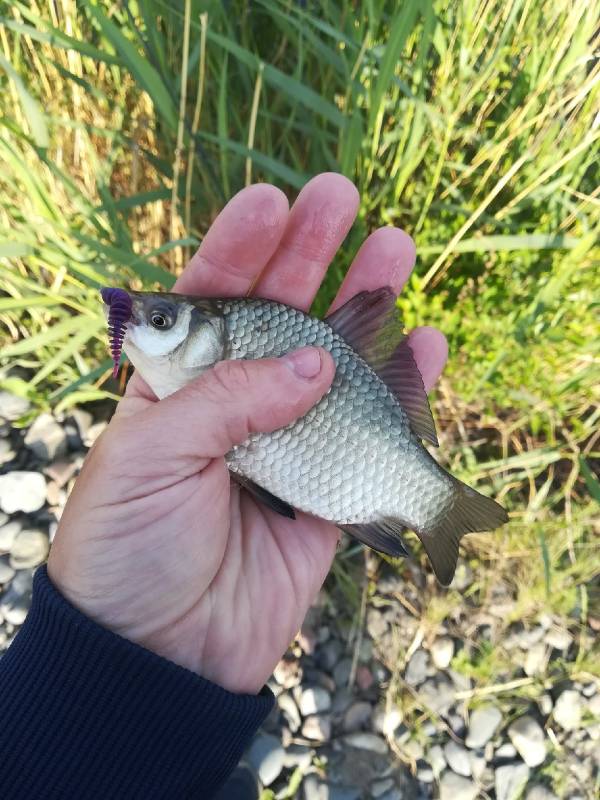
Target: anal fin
(383, 536)
(265, 497)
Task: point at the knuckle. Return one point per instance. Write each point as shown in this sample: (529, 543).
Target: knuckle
(231, 377)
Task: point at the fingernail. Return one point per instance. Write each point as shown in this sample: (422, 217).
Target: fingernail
(305, 362)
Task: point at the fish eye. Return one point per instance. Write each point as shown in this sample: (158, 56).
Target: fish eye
(160, 320)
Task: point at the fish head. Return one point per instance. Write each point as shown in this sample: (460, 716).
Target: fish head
(169, 338)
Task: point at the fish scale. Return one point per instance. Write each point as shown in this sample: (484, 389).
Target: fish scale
(354, 463)
(356, 458)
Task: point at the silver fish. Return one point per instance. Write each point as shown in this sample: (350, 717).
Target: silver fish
(357, 458)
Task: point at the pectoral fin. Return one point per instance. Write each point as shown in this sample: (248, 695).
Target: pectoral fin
(383, 536)
(265, 497)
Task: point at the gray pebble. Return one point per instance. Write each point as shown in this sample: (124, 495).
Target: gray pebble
(313, 789)
(376, 624)
(62, 471)
(288, 673)
(16, 613)
(567, 710)
(455, 787)
(46, 438)
(387, 722)
(6, 452)
(457, 723)
(341, 672)
(442, 651)
(297, 755)
(7, 573)
(436, 759)
(594, 705)
(289, 709)
(535, 660)
(437, 695)
(510, 781)
(20, 586)
(392, 794)
(478, 763)
(540, 792)
(342, 699)
(317, 727)
(14, 603)
(12, 406)
(83, 421)
(343, 793)
(425, 774)
(381, 787)
(314, 700)
(8, 534)
(506, 751)
(414, 749)
(545, 704)
(463, 577)
(367, 741)
(93, 433)
(22, 491)
(357, 716)
(529, 739)
(29, 549)
(559, 638)
(329, 654)
(462, 683)
(266, 756)
(458, 759)
(416, 670)
(483, 725)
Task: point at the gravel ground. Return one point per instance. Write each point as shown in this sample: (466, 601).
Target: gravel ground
(375, 703)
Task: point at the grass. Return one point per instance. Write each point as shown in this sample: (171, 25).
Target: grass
(474, 126)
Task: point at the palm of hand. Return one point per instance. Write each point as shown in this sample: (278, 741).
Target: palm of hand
(193, 568)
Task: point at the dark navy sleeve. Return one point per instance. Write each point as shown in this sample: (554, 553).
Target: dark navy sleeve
(87, 714)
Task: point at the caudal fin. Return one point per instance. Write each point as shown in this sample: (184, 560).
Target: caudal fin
(471, 512)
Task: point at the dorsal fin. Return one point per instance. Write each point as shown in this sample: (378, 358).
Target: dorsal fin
(370, 323)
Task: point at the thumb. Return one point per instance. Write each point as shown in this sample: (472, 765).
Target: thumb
(227, 403)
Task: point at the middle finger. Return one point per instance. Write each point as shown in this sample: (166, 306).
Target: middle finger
(317, 225)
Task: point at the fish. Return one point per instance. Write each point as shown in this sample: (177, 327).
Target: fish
(357, 458)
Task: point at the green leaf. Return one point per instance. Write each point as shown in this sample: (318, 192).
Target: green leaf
(293, 88)
(140, 199)
(19, 303)
(141, 69)
(401, 28)
(89, 329)
(590, 479)
(147, 271)
(270, 165)
(31, 109)
(546, 560)
(32, 343)
(15, 249)
(486, 244)
(93, 375)
(55, 37)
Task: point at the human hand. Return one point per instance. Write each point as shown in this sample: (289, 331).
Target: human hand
(155, 542)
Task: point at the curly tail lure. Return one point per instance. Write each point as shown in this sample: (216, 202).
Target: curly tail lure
(119, 313)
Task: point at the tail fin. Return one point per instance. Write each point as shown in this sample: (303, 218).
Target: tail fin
(471, 512)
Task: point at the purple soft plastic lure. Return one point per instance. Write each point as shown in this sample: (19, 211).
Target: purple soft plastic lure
(119, 313)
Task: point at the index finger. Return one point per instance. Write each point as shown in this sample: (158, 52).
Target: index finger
(238, 244)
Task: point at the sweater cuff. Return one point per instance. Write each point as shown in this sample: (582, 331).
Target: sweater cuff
(88, 714)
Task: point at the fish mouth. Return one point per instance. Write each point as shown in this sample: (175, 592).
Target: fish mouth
(120, 307)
